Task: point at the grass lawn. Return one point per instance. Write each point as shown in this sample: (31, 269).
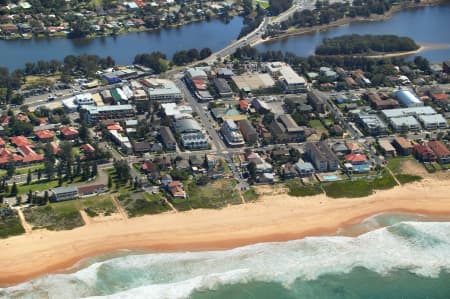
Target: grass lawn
(98, 205)
(263, 4)
(142, 203)
(10, 225)
(407, 178)
(37, 186)
(33, 168)
(215, 195)
(395, 164)
(55, 216)
(250, 195)
(318, 126)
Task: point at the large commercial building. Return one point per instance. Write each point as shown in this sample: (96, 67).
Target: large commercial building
(288, 79)
(433, 121)
(408, 118)
(162, 90)
(405, 123)
(190, 132)
(94, 114)
(231, 133)
(408, 99)
(413, 111)
(372, 124)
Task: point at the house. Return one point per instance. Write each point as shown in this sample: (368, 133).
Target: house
(322, 156)
(211, 160)
(357, 163)
(403, 145)
(386, 148)
(91, 190)
(266, 178)
(166, 179)
(141, 147)
(2, 143)
(20, 141)
(68, 133)
(88, 149)
(340, 148)
(305, 169)
(176, 189)
(164, 163)
(424, 153)
(64, 193)
(196, 161)
(288, 171)
(440, 150)
(262, 166)
(182, 164)
(243, 105)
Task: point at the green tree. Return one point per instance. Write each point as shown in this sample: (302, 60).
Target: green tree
(251, 167)
(14, 189)
(109, 182)
(10, 168)
(29, 177)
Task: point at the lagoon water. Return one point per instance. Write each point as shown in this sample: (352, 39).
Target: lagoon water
(215, 34)
(425, 25)
(428, 25)
(407, 259)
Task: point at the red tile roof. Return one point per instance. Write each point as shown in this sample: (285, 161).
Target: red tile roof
(26, 150)
(88, 148)
(20, 141)
(68, 131)
(114, 127)
(55, 148)
(440, 96)
(44, 134)
(22, 117)
(354, 158)
(439, 148)
(4, 120)
(243, 104)
(2, 142)
(7, 156)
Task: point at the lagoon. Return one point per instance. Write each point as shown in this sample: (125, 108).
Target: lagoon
(215, 34)
(427, 25)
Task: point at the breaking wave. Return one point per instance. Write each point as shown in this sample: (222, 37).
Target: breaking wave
(422, 248)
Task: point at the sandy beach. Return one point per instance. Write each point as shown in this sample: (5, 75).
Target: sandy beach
(276, 217)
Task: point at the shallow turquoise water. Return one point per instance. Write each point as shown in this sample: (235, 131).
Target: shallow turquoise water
(409, 258)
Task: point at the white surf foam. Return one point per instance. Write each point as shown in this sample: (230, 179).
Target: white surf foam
(420, 247)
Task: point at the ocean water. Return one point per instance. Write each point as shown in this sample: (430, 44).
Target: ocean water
(406, 259)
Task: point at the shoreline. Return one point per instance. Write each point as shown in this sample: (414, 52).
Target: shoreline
(274, 218)
(347, 21)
